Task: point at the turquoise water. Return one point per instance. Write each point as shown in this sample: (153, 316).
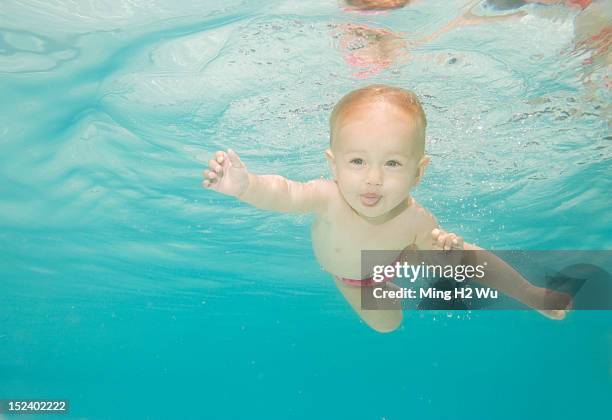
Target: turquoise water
(134, 293)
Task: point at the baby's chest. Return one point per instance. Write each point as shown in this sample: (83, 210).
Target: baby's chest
(343, 237)
(338, 245)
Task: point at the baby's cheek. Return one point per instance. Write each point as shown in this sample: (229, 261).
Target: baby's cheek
(346, 184)
(399, 181)
(350, 178)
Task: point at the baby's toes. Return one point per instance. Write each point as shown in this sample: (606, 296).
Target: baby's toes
(555, 304)
(555, 314)
(558, 300)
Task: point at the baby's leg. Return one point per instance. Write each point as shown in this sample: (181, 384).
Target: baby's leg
(381, 320)
(507, 280)
(548, 302)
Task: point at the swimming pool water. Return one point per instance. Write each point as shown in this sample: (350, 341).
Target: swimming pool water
(129, 290)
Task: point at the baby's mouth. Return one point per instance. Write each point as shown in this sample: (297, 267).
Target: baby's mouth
(370, 199)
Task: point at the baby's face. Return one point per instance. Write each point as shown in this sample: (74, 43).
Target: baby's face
(376, 159)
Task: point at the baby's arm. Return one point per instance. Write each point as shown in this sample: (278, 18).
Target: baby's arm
(500, 275)
(228, 175)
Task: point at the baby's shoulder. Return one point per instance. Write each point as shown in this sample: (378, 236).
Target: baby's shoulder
(421, 216)
(327, 186)
(421, 221)
(327, 194)
(327, 189)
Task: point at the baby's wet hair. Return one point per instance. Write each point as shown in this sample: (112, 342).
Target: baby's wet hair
(403, 99)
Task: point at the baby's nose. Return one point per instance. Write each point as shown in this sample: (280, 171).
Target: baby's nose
(374, 177)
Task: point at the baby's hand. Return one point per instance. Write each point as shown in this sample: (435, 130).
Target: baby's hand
(446, 241)
(226, 174)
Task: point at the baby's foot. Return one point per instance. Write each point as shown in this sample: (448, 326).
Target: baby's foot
(550, 303)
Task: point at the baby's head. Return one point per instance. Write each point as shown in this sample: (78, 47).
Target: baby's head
(377, 4)
(377, 149)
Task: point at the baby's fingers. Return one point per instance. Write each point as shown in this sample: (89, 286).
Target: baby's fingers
(450, 242)
(210, 175)
(457, 242)
(438, 236)
(434, 234)
(439, 242)
(214, 166)
(209, 178)
(220, 156)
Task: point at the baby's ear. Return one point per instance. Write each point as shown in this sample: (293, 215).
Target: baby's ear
(331, 162)
(421, 168)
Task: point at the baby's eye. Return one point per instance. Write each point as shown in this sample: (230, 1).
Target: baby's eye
(357, 161)
(393, 163)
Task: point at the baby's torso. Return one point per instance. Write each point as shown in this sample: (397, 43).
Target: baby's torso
(339, 237)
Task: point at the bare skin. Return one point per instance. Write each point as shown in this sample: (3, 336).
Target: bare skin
(370, 49)
(377, 4)
(376, 159)
(373, 50)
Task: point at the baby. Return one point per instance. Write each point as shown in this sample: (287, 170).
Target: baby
(376, 156)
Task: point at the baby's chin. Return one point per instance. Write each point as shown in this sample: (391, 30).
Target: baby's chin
(378, 211)
(371, 214)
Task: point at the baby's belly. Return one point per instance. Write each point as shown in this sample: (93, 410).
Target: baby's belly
(343, 258)
(338, 264)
